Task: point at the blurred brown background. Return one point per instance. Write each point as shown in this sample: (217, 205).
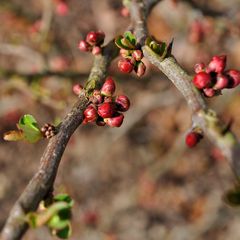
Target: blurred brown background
(138, 182)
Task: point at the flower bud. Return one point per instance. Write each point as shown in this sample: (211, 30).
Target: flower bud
(106, 110)
(199, 67)
(95, 38)
(62, 9)
(90, 114)
(96, 50)
(192, 139)
(234, 78)
(125, 65)
(84, 46)
(77, 88)
(122, 103)
(202, 80)
(141, 68)
(209, 92)
(217, 64)
(137, 55)
(96, 98)
(115, 121)
(222, 82)
(108, 87)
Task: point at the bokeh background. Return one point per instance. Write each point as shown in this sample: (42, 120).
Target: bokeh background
(138, 182)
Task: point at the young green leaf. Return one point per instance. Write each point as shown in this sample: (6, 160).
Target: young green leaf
(65, 233)
(130, 37)
(57, 223)
(29, 126)
(122, 43)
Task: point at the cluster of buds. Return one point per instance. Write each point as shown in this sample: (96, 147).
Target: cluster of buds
(104, 108)
(92, 42)
(48, 130)
(211, 79)
(131, 53)
(193, 138)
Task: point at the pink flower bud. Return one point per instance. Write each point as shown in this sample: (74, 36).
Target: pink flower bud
(199, 67)
(192, 139)
(115, 121)
(137, 55)
(106, 110)
(84, 46)
(202, 80)
(222, 82)
(108, 87)
(125, 65)
(77, 88)
(234, 78)
(141, 68)
(209, 92)
(95, 38)
(90, 114)
(62, 9)
(217, 64)
(122, 103)
(96, 50)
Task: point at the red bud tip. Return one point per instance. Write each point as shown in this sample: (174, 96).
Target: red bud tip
(125, 65)
(106, 110)
(209, 92)
(217, 64)
(114, 121)
(96, 50)
(192, 139)
(84, 46)
(202, 80)
(141, 68)
(199, 67)
(122, 103)
(62, 9)
(90, 114)
(137, 55)
(234, 78)
(108, 87)
(95, 38)
(222, 82)
(77, 88)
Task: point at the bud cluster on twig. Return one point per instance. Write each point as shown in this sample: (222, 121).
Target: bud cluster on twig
(211, 79)
(92, 42)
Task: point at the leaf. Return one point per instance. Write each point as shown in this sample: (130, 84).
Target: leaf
(30, 128)
(65, 233)
(57, 223)
(63, 197)
(121, 45)
(130, 37)
(14, 135)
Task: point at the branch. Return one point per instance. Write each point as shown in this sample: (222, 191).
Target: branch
(202, 116)
(42, 182)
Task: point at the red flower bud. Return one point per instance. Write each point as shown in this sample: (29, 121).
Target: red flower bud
(108, 87)
(141, 68)
(84, 46)
(106, 110)
(122, 103)
(222, 82)
(77, 88)
(234, 78)
(209, 92)
(202, 80)
(125, 65)
(199, 67)
(90, 114)
(115, 121)
(95, 38)
(96, 50)
(137, 55)
(217, 64)
(192, 139)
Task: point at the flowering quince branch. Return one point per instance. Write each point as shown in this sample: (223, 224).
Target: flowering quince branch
(202, 117)
(42, 182)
